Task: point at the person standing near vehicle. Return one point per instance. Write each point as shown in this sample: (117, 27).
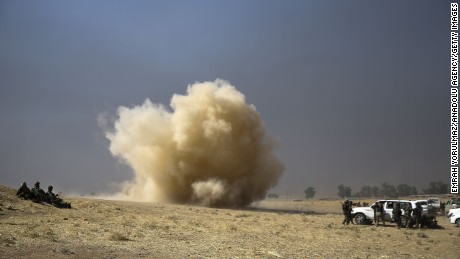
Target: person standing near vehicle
(417, 214)
(379, 213)
(407, 214)
(442, 207)
(350, 208)
(397, 214)
(345, 210)
(374, 207)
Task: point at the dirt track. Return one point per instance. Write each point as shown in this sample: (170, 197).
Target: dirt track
(117, 229)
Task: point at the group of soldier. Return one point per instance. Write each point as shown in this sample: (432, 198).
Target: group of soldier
(413, 217)
(36, 194)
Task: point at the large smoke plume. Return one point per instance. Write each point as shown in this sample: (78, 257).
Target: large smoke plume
(212, 149)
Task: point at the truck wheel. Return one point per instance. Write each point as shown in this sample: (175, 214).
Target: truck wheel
(457, 222)
(360, 219)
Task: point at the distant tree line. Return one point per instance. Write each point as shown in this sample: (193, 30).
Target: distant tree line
(310, 192)
(384, 190)
(389, 190)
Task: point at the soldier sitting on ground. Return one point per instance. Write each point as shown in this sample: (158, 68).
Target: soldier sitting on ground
(23, 191)
(37, 194)
(54, 200)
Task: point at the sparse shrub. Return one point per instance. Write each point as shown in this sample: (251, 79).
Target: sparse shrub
(284, 225)
(118, 237)
(139, 235)
(304, 218)
(150, 226)
(8, 240)
(242, 215)
(50, 235)
(173, 218)
(422, 235)
(128, 223)
(67, 251)
(233, 227)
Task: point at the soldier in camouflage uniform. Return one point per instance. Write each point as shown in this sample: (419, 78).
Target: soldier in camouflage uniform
(350, 208)
(407, 214)
(379, 213)
(23, 191)
(51, 197)
(397, 214)
(55, 200)
(417, 214)
(442, 207)
(37, 194)
(346, 209)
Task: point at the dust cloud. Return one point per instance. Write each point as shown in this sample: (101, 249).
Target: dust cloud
(212, 149)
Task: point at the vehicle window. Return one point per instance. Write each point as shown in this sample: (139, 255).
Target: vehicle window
(390, 204)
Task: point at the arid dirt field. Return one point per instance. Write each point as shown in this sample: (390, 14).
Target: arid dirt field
(118, 229)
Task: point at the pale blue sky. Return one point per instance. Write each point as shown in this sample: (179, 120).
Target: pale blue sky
(357, 92)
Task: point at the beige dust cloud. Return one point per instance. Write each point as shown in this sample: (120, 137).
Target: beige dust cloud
(212, 149)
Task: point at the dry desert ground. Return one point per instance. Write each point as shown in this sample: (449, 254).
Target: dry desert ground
(274, 229)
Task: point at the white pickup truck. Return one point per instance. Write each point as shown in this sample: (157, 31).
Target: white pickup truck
(454, 216)
(365, 215)
(435, 202)
(453, 203)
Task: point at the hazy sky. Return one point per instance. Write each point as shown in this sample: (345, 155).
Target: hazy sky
(356, 92)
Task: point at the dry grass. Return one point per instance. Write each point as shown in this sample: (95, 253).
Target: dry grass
(109, 229)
